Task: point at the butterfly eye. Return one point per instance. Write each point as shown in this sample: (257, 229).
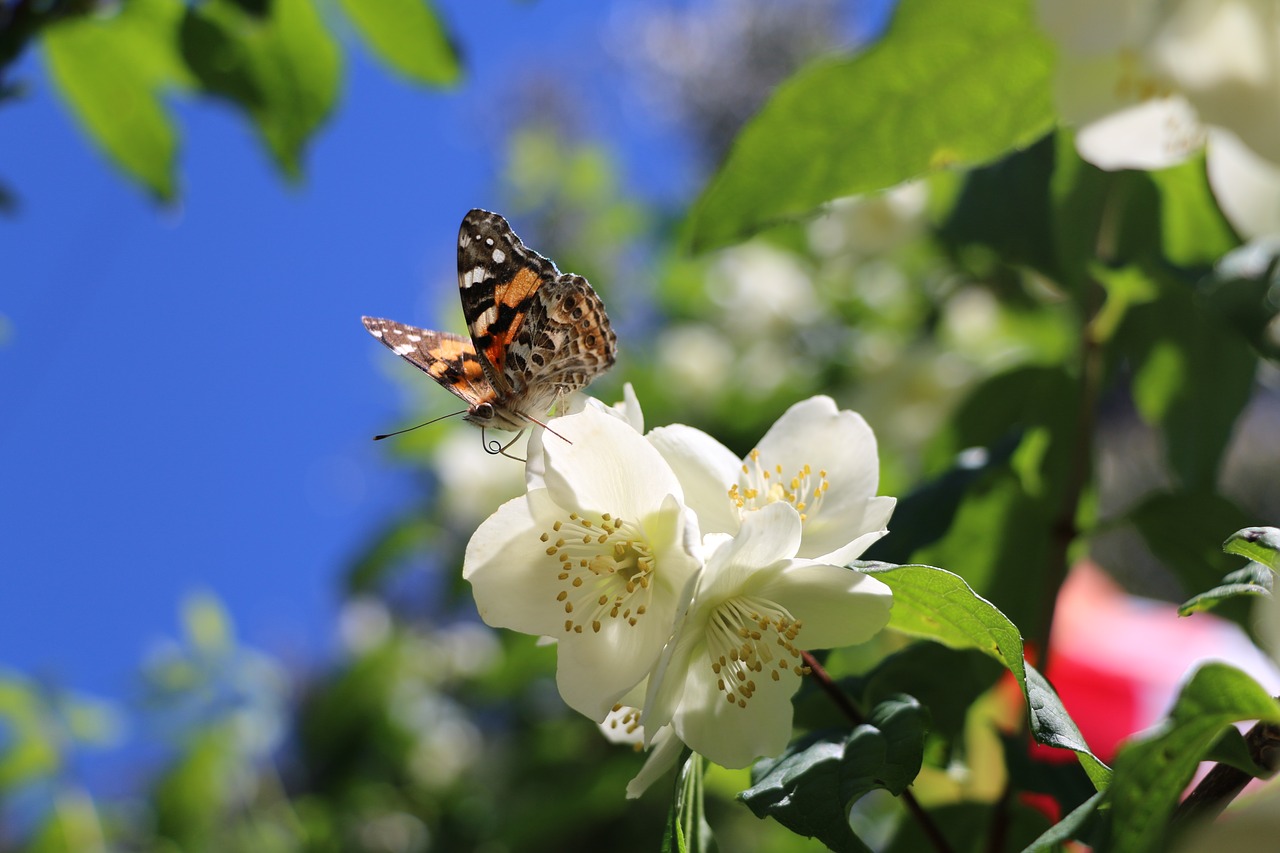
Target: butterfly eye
(483, 411)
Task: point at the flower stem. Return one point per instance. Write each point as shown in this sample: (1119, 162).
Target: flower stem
(850, 710)
(1223, 783)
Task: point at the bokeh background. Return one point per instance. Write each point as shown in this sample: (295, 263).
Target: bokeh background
(228, 619)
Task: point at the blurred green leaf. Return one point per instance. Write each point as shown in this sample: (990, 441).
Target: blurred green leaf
(1260, 544)
(1193, 375)
(1194, 233)
(284, 69)
(111, 71)
(809, 787)
(28, 749)
(408, 36)
(948, 84)
(1183, 530)
(1152, 770)
(945, 680)
(206, 624)
(1072, 826)
(968, 829)
(1244, 289)
(938, 605)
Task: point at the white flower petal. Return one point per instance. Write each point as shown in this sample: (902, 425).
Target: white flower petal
(603, 465)
(663, 756)
(836, 606)
(733, 736)
(768, 536)
(874, 520)
(1246, 186)
(816, 433)
(507, 569)
(1153, 134)
(706, 469)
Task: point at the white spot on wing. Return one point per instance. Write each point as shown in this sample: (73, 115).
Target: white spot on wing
(474, 276)
(414, 338)
(377, 333)
(499, 256)
(403, 349)
(488, 241)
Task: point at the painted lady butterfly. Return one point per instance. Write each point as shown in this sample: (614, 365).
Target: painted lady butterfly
(536, 335)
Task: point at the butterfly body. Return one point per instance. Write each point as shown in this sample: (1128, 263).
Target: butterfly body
(536, 335)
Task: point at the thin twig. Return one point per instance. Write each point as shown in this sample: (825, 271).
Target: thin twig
(850, 710)
(1223, 783)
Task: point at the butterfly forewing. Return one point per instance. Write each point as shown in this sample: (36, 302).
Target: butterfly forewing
(536, 335)
(448, 359)
(498, 278)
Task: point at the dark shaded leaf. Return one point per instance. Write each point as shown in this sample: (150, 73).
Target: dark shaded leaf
(809, 788)
(1184, 530)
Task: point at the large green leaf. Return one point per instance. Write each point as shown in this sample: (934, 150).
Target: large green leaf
(1151, 771)
(283, 69)
(936, 604)
(948, 84)
(1185, 531)
(809, 787)
(407, 35)
(1193, 374)
(111, 71)
(1260, 544)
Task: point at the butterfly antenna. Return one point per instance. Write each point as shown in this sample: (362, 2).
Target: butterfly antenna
(424, 423)
(548, 429)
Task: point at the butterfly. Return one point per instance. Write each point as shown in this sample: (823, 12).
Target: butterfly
(537, 334)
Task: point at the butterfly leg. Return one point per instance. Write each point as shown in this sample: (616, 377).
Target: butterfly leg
(496, 448)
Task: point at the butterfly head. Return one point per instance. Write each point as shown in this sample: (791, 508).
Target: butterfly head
(488, 416)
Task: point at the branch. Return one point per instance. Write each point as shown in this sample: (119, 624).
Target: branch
(1223, 783)
(850, 710)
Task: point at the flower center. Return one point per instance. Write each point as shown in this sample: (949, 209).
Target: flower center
(747, 637)
(761, 486)
(606, 569)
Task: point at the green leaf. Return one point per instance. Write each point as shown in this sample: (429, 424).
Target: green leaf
(1232, 749)
(407, 35)
(1193, 375)
(947, 681)
(938, 605)
(1260, 544)
(809, 788)
(1152, 770)
(1073, 826)
(1183, 529)
(1253, 580)
(1193, 231)
(948, 84)
(967, 828)
(111, 71)
(283, 70)
(1244, 289)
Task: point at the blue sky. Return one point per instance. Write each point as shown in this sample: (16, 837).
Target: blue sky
(187, 395)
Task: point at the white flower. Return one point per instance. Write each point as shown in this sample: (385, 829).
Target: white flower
(816, 458)
(597, 556)
(726, 679)
(1150, 83)
(623, 726)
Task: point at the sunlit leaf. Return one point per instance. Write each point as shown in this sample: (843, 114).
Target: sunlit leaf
(283, 70)
(1253, 580)
(1152, 770)
(408, 36)
(809, 787)
(112, 70)
(936, 604)
(948, 84)
(1260, 544)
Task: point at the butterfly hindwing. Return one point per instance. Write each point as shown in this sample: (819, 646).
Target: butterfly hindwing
(448, 359)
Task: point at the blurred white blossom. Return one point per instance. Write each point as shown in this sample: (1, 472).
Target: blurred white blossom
(1149, 83)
